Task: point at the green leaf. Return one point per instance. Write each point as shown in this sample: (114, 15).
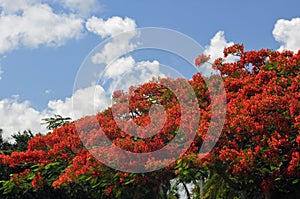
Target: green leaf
(265, 170)
(128, 182)
(295, 181)
(185, 173)
(118, 194)
(48, 166)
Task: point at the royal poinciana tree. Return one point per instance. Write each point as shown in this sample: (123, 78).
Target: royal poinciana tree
(256, 156)
(259, 147)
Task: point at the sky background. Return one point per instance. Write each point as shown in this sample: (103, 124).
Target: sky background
(43, 43)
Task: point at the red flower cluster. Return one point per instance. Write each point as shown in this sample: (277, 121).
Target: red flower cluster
(201, 59)
(260, 141)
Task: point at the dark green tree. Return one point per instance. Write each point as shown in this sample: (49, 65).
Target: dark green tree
(56, 121)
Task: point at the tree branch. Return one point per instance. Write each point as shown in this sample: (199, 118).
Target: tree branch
(186, 189)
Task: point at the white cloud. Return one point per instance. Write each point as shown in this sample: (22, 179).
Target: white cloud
(16, 116)
(126, 72)
(215, 49)
(119, 67)
(287, 33)
(36, 25)
(115, 48)
(86, 101)
(217, 45)
(111, 27)
(148, 69)
(118, 45)
(82, 7)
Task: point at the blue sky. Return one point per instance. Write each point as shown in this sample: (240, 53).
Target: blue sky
(39, 65)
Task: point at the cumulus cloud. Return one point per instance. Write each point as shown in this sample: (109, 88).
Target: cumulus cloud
(148, 69)
(18, 116)
(111, 27)
(126, 72)
(115, 48)
(287, 33)
(217, 45)
(87, 101)
(32, 24)
(215, 49)
(119, 67)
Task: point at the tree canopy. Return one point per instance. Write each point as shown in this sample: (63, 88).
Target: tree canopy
(256, 156)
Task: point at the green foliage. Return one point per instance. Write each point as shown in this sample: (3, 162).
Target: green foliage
(56, 121)
(21, 140)
(216, 187)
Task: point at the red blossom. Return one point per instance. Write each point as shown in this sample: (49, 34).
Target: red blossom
(201, 59)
